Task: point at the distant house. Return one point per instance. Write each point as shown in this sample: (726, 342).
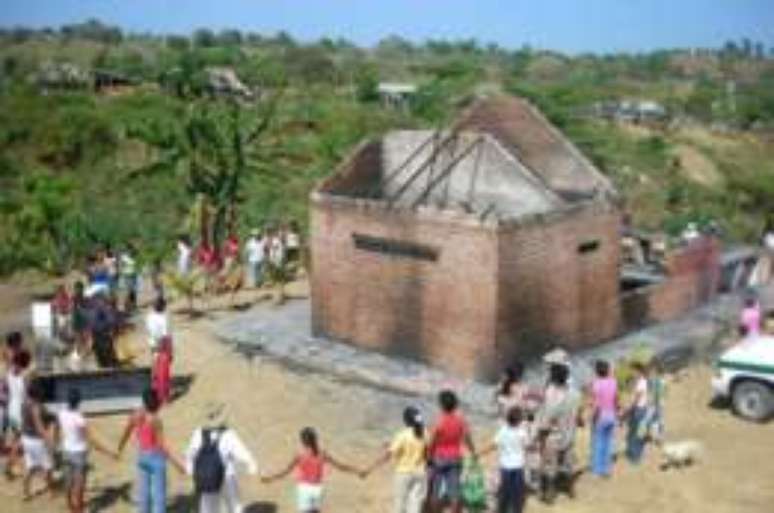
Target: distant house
(396, 94)
(629, 111)
(64, 76)
(61, 76)
(225, 82)
(106, 81)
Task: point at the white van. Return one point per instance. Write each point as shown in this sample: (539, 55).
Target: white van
(745, 375)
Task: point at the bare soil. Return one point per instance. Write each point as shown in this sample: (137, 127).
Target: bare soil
(270, 403)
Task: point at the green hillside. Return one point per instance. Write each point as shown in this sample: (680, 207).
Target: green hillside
(78, 167)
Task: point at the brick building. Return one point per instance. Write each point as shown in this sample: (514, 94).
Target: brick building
(468, 247)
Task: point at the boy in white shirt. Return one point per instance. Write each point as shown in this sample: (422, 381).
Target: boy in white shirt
(511, 443)
(157, 324)
(76, 440)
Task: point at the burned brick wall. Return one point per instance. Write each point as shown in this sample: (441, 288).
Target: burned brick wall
(558, 282)
(414, 284)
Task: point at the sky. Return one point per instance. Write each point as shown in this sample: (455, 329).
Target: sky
(572, 26)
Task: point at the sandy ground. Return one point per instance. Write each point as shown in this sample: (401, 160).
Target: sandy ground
(270, 403)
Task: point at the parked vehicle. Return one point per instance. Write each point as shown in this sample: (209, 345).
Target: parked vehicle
(745, 375)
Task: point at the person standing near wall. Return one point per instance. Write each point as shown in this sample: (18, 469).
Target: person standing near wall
(751, 316)
(511, 443)
(604, 412)
(557, 421)
(408, 450)
(512, 391)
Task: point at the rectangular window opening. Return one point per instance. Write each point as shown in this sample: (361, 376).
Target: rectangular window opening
(392, 247)
(588, 247)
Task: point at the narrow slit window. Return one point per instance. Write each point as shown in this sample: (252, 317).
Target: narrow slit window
(588, 247)
(392, 247)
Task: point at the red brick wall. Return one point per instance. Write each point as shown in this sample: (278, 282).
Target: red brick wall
(440, 312)
(550, 293)
(693, 274)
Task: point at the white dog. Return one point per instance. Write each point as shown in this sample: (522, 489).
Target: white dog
(679, 454)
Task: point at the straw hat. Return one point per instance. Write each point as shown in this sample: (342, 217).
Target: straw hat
(557, 356)
(215, 414)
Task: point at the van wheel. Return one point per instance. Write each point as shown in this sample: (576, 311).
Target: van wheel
(753, 400)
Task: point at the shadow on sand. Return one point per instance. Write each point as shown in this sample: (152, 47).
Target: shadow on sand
(108, 496)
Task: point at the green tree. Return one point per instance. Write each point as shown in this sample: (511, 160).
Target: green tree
(204, 38)
(366, 83)
(230, 37)
(213, 150)
(40, 218)
(179, 43)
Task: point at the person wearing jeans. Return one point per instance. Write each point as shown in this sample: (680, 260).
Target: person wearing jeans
(511, 442)
(450, 434)
(604, 405)
(637, 426)
(151, 481)
(152, 454)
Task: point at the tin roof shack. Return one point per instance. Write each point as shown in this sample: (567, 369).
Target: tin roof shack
(396, 95)
(61, 76)
(466, 247)
(225, 82)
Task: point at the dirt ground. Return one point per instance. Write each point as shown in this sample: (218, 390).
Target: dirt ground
(270, 403)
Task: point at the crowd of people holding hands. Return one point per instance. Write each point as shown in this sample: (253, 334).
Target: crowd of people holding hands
(535, 443)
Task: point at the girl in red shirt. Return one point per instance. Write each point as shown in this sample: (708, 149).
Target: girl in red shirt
(309, 465)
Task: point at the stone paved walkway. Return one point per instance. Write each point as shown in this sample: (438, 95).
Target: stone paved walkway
(283, 333)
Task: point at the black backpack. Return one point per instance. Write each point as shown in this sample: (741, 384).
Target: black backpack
(209, 469)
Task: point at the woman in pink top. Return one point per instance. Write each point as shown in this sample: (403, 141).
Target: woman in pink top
(309, 465)
(604, 406)
(751, 317)
(152, 454)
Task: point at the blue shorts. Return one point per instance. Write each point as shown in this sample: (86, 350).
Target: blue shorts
(445, 478)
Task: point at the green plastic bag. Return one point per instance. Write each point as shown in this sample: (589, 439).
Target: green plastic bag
(474, 486)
